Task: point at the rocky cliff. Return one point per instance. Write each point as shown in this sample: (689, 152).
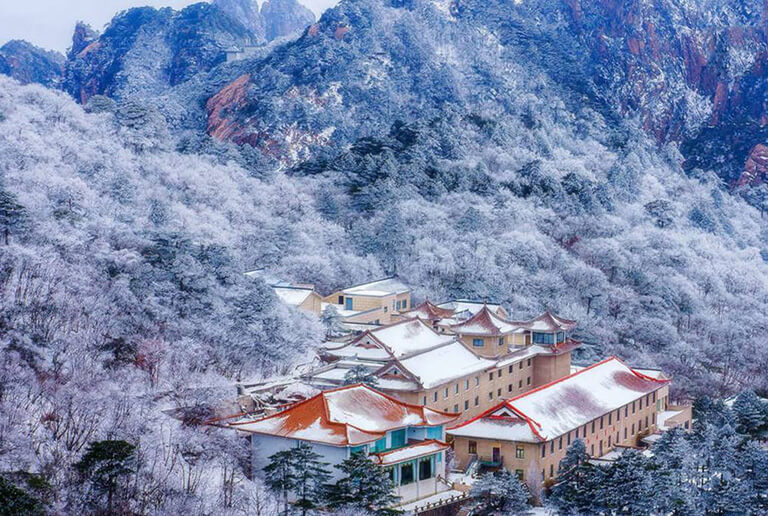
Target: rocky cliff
(28, 63)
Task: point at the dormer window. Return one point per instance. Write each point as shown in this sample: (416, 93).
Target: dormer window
(501, 341)
(478, 343)
(560, 337)
(543, 338)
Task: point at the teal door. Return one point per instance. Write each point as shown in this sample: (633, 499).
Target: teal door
(348, 304)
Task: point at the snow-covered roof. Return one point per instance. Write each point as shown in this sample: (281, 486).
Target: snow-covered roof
(445, 363)
(293, 295)
(662, 417)
(549, 322)
(347, 416)
(428, 312)
(471, 306)
(568, 403)
(486, 322)
(410, 452)
(402, 338)
(378, 288)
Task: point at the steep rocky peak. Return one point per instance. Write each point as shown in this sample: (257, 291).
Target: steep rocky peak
(285, 17)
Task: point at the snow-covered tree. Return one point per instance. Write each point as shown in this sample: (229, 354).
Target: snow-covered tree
(500, 492)
(750, 412)
(579, 482)
(360, 374)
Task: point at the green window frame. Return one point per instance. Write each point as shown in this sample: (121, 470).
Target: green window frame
(397, 438)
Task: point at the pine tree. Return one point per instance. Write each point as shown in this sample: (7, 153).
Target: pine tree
(364, 486)
(753, 467)
(13, 216)
(750, 413)
(279, 475)
(332, 321)
(360, 374)
(627, 485)
(502, 492)
(725, 492)
(578, 482)
(310, 477)
(106, 466)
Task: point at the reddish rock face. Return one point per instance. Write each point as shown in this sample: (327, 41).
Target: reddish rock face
(231, 97)
(756, 168)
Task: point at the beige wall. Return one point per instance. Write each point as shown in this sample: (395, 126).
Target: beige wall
(506, 383)
(491, 347)
(612, 431)
(313, 304)
(550, 368)
(364, 303)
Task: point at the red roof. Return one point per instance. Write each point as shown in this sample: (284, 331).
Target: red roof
(569, 402)
(347, 416)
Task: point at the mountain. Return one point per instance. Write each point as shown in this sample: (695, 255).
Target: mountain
(146, 50)
(285, 17)
(29, 64)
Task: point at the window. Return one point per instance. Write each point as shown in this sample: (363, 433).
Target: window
(610, 417)
(520, 384)
(528, 381)
(357, 449)
(640, 404)
(406, 473)
(490, 395)
(399, 304)
(560, 336)
(519, 452)
(593, 427)
(618, 414)
(477, 381)
(490, 376)
(424, 400)
(646, 421)
(511, 368)
(592, 453)
(543, 338)
(456, 407)
(477, 401)
(380, 445)
(521, 365)
(584, 431)
(341, 300)
(609, 441)
(560, 444)
(397, 438)
(602, 422)
(617, 437)
(445, 394)
(625, 433)
(456, 389)
(472, 447)
(633, 429)
(385, 309)
(405, 304)
(626, 411)
(509, 388)
(552, 447)
(519, 474)
(425, 468)
(569, 438)
(501, 341)
(434, 396)
(543, 450)
(633, 407)
(529, 362)
(551, 470)
(478, 343)
(466, 404)
(466, 384)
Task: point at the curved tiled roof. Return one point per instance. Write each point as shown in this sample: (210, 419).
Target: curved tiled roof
(428, 312)
(485, 322)
(347, 416)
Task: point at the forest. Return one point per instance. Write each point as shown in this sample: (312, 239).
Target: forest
(125, 230)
